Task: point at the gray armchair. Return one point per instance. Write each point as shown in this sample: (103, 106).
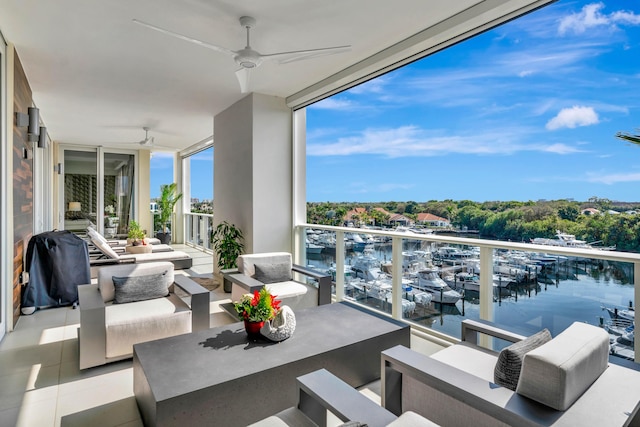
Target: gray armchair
(108, 329)
(275, 271)
(320, 391)
(455, 386)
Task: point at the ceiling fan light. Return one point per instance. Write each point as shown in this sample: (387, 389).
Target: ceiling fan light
(248, 64)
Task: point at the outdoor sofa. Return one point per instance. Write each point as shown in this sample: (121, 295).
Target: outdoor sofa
(565, 381)
(134, 303)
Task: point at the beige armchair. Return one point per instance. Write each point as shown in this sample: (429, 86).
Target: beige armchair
(565, 381)
(134, 303)
(275, 270)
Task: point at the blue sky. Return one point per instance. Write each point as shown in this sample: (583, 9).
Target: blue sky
(526, 111)
(201, 173)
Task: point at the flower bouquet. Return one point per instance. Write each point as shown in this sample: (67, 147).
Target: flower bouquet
(257, 309)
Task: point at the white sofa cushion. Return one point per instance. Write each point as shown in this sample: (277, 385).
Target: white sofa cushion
(411, 419)
(557, 373)
(129, 324)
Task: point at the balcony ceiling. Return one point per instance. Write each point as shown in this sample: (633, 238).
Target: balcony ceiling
(98, 78)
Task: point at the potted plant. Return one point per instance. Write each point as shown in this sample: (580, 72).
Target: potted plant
(257, 309)
(136, 234)
(169, 196)
(227, 242)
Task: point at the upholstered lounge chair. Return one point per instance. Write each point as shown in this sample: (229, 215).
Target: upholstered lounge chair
(275, 271)
(120, 245)
(567, 381)
(108, 330)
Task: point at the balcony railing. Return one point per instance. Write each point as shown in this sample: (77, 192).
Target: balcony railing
(537, 288)
(197, 230)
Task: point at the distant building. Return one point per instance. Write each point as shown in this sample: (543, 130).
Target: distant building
(432, 220)
(153, 206)
(399, 219)
(590, 211)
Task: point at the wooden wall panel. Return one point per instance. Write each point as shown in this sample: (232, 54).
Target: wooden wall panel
(22, 183)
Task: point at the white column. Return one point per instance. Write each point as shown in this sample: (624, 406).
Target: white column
(253, 172)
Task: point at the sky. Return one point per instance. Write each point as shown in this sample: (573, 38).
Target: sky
(201, 173)
(526, 111)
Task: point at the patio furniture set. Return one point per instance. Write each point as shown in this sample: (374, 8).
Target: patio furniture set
(186, 372)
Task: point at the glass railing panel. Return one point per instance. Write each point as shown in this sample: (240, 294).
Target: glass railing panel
(440, 281)
(320, 251)
(526, 290)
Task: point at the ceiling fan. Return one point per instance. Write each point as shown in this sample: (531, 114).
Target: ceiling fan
(148, 140)
(248, 58)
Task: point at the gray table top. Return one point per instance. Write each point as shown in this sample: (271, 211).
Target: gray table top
(184, 363)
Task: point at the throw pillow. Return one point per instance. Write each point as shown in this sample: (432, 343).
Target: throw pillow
(507, 370)
(139, 288)
(272, 273)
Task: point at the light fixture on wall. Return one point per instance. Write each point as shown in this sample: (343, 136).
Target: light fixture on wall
(42, 138)
(27, 153)
(75, 206)
(31, 121)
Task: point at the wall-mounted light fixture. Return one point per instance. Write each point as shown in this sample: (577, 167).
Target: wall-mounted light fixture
(27, 153)
(42, 138)
(31, 121)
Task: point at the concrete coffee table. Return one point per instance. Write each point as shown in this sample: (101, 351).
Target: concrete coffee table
(219, 377)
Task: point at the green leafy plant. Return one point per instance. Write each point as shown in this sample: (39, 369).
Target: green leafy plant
(169, 196)
(227, 242)
(260, 307)
(135, 232)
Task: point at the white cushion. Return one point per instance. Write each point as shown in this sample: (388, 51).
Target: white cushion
(129, 324)
(105, 248)
(286, 289)
(411, 419)
(557, 373)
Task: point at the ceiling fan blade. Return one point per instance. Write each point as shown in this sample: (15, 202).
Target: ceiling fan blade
(244, 78)
(187, 38)
(296, 55)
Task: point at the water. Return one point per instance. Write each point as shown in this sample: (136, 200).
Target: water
(577, 293)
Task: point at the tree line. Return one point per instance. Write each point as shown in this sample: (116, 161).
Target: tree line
(507, 220)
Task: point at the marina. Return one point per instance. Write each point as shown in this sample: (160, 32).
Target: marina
(440, 288)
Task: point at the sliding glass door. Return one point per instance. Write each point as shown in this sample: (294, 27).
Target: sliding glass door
(6, 270)
(98, 190)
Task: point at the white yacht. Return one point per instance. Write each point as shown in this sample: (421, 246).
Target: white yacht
(430, 281)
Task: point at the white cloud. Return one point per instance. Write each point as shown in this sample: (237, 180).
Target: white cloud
(614, 178)
(591, 17)
(333, 103)
(412, 141)
(377, 85)
(573, 117)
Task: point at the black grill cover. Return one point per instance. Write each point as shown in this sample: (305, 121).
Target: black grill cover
(57, 262)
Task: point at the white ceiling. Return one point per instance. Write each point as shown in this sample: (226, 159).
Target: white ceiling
(98, 78)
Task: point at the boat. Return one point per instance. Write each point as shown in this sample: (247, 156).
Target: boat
(628, 314)
(430, 281)
(313, 248)
(367, 266)
(471, 282)
(567, 240)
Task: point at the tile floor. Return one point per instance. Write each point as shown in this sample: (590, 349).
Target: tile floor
(41, 384)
